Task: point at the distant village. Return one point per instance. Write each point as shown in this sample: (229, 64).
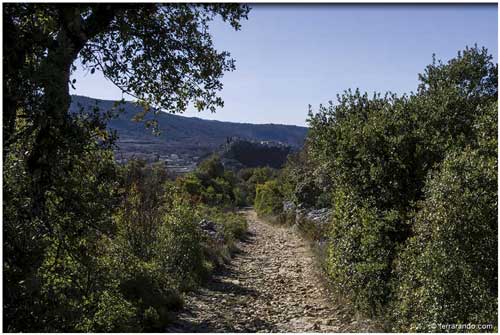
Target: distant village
(180, 163)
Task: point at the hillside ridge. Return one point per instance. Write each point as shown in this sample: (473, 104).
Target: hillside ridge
(183, 139)
(82, 98)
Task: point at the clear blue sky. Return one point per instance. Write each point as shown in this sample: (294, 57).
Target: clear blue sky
(289, 56)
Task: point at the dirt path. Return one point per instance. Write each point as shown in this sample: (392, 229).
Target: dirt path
(271, 285)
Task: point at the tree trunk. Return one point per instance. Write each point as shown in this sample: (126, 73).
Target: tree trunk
(53, 139)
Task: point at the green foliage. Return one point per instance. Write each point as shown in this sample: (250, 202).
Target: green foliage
(255, 154)
(210, 168)
(268, 199)
(160, 249)
(232, 226)
(56, 273)
(251, 177)
(126, 244)
(359, 256)
(159, 245)
(369, 147)
(160, 53)
(179, 246)
(113, 314)
(88, 248)
(240, 196)
(304, 181)
(449, 268)
(413, 185)
(210, 184)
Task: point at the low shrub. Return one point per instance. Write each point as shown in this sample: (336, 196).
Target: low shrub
(157, 253)
(268, 199)
(235, 225)
(304, 181)
(160, 250)
(251, 177)
(211, 185)
(232, 227)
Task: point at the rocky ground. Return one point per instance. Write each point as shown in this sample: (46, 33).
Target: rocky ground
(271, 285)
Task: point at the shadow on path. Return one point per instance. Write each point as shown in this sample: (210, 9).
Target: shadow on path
(222, 292)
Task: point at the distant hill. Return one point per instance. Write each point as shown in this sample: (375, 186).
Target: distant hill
(184, 136)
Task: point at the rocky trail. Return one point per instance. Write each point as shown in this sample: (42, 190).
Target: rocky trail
(271, 285)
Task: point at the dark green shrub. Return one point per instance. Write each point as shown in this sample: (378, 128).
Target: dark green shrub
(360, 250)
(230, 226)
(240, 196)
(150, 290)
(67, 257)
(178, 248)
(54, 265)
(235, 226)
(367, 145)
(192, 185)
(210, 184)
(210, 168)
(448, 272)
(158, 253)
(305, 181)
(378, 153)
(370, 155)
(251, 177)
(113, 314)
(268, 199)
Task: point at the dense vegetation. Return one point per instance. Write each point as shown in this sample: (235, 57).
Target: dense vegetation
(412, 185)
(254, 154)
(124, 272)
(93, 246)
(90, 245)
(268, 199)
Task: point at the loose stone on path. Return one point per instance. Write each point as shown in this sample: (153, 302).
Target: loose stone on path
(271, 285)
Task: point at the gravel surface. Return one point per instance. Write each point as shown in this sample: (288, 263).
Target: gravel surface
(271, 285)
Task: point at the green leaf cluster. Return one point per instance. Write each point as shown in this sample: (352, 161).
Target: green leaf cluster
(268, 199)
(412, 182)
